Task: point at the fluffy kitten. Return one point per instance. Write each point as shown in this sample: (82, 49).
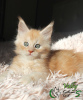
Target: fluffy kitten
(32, 48)
(34, 56)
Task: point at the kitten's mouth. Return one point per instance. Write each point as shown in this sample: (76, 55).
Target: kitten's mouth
(30, 54)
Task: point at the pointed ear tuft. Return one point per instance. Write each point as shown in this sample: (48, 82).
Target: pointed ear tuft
(47, 31)
(20, 18)
(52, 23)
(22, 27)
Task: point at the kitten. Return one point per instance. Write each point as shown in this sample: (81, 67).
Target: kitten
(34, 57)
(32, 48)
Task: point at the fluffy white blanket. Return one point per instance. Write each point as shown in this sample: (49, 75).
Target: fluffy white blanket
(11, 89)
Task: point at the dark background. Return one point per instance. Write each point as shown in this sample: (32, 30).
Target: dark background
(67, 14)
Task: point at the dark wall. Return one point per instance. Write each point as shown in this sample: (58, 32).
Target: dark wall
(2, 11)
(68, 17)
(44, 12)
(14, 8)
(67, 14)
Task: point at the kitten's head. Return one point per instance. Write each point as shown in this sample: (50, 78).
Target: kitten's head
(31, 42)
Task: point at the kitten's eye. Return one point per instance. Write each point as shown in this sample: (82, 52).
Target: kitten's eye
(37, 46)
(26, 43)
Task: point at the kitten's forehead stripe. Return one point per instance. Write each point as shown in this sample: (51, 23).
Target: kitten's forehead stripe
(33, 34)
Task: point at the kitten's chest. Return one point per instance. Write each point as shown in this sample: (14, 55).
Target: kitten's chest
(28, 66)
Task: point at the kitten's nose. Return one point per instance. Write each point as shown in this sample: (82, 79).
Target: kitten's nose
(30, 51)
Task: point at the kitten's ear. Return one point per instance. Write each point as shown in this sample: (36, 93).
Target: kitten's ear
(22, 27)
(47, 31)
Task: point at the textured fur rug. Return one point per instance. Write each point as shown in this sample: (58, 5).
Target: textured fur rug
(11, 89)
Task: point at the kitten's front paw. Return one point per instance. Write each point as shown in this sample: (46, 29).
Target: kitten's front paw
(3, 76)
(25, 80)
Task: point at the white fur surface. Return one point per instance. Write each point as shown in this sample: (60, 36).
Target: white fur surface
(72, 42)
(11, 89)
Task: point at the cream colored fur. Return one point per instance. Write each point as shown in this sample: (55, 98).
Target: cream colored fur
(32, 66)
